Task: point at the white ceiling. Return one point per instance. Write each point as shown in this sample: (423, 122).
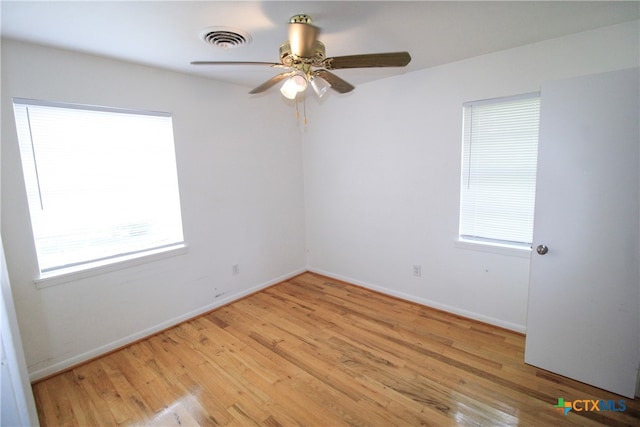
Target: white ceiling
(166, 34)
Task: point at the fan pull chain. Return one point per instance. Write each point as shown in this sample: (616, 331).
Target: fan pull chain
(304, 106)
(297, 112)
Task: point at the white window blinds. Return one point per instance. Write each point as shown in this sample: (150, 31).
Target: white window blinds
(101, 182)
(499, 156)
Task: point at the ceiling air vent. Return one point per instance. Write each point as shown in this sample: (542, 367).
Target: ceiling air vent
(225, 37)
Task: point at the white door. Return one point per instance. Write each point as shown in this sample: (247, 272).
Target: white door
(18, 405)
(583, 318)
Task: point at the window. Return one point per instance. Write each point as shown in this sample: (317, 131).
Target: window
(499, 155)
(101, 183)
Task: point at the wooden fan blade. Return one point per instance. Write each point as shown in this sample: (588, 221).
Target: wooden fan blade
(272, 81)
(336, 82)
(391, 59)
(270, 64)
(302, 39)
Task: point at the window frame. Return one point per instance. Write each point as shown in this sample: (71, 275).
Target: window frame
(118, 259)
(492, 245)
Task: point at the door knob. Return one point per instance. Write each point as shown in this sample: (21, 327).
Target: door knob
(542, 249)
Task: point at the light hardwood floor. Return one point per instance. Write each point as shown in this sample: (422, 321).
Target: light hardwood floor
(318, 352)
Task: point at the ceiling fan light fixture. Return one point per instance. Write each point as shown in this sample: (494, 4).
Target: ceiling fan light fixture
(288, 91)
(294, 85)
(320, 86)
(299, 82)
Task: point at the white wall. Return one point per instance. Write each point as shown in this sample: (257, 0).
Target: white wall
(382, 175)
(241, 188)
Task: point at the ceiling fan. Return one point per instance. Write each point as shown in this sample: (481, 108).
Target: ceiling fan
(303, 55)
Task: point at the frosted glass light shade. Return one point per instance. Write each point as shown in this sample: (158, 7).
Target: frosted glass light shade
(294, 84)
(320, 86)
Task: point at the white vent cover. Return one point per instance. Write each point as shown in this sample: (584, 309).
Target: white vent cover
(225, 37)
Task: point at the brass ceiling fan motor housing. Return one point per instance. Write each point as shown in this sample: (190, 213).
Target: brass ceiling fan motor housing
(290, 60)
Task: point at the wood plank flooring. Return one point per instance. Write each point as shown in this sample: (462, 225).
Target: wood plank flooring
(318, 352)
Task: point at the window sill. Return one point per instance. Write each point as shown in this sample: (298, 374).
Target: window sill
(94, 269)
(516, 251)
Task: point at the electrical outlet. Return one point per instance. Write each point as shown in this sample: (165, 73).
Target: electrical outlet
(235, 269)
(417, 270)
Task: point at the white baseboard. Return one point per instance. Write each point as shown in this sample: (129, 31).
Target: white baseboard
(426, 302)
(122, 342)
